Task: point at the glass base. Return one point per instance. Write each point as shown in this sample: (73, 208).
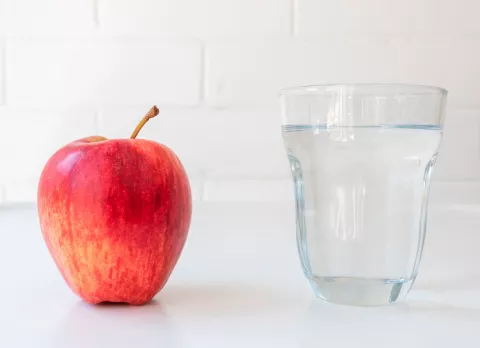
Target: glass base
(360, 291)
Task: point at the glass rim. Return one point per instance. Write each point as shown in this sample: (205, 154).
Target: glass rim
(382, 89)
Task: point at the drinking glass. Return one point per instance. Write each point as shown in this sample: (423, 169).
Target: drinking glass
(361, 158)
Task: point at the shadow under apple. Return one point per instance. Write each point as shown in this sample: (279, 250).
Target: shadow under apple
(115, 325)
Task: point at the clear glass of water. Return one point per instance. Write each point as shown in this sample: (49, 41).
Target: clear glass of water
(361, 158)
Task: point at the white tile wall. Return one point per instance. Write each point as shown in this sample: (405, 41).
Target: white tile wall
(251, 72)
(195, 18)
(248, 190)
(47, 17)
(214, 67)
(380, 17)
(93, 72)
(460, 149)
(448, 61)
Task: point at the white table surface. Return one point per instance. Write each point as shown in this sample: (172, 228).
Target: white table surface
(239, 284)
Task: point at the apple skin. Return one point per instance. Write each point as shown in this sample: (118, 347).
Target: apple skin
(115, 215)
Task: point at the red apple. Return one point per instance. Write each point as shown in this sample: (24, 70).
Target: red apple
(115, 215)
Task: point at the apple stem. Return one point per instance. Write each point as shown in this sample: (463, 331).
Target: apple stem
(150, 114)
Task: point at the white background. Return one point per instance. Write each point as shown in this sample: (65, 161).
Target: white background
(70, 69)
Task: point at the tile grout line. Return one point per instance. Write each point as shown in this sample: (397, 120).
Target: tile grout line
(96, 15)
(203, 72)
(293, 17)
